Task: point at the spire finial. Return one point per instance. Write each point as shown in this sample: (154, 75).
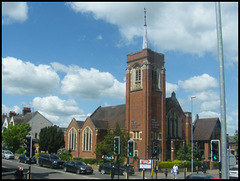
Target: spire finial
(145, 38)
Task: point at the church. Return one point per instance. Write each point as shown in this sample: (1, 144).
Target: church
(147, 114)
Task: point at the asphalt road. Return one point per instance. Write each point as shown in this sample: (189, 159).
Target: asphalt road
(48, 173)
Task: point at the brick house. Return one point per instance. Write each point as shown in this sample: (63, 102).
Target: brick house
(204, 131)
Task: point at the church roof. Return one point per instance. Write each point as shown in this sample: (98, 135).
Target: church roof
(204, 128)
(107, 117)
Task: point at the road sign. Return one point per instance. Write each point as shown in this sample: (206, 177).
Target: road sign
(145, 163)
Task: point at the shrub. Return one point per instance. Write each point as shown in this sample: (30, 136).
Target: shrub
(20, 150)
(65, 157)
(77, 158)
(63, 151)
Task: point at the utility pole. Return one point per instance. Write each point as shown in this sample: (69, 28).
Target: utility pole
(192, 97)
(222, 91)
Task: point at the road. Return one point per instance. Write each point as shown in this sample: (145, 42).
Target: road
(48, 173)
(38, 172)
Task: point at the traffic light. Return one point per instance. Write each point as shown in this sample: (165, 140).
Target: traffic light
(196, 148)
(215, 147)
(28, 144)
(131, 148)
(33, 149)
(116, 145)
(154, 149)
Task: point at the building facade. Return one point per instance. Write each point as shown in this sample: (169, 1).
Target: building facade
(147, 115)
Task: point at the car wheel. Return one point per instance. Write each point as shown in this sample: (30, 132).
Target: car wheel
(65, 169)
(103, 171)
(78, 171)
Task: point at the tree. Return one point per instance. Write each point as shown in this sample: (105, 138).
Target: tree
(51, 139)
(180, 153)
(13, 136)
(236, 139)
(105, 147)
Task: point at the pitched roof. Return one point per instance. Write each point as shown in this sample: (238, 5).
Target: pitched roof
(80, 124)
(203, 128)
(107, 117)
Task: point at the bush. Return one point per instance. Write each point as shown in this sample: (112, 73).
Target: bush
(91, 161)
(20, 150)
(63, 151)
(65, 157)
(77, 158)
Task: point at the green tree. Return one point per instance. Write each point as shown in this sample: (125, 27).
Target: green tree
(236, 139)
(105, 147)
(13, 137)
(180, 153)
(51, 139)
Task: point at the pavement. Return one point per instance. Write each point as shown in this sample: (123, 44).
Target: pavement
(161, 175)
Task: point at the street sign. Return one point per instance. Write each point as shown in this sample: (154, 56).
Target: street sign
(145, 163)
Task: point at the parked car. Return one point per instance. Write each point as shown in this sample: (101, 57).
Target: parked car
(24, 159)
(77, 166)
(3, 153)
(53, 161)
(233, 172)
(8, 154)
(199, 176)
(106, 168)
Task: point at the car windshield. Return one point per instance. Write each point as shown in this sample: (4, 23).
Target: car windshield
(54, 157)
(8, 152)
(80, 163)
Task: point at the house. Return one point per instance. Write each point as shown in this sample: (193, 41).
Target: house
(204, 131)
(35, 119)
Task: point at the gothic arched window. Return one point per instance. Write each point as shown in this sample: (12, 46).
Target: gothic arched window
(156, 79)
(87, 139)
(72, 139)
(136, 80)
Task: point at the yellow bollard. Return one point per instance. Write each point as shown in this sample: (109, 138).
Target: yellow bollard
(152, 172)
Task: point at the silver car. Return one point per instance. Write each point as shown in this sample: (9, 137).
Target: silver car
(233, 172)
(8, 154)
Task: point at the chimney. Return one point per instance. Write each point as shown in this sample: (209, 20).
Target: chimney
(12, 113)
(26, 110)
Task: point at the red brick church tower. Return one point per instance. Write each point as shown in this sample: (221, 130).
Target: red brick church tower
(145, 99)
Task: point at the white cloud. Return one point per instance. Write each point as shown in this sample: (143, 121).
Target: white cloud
(198, 83)
(25, 78)
(193, 25)
(91, 84)
(208, 114)
(15, 108)
(14, 12)
(99, 37)
(56, 106)
(170, 88)
(60, 112)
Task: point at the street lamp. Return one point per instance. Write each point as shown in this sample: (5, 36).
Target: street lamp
(192, 97)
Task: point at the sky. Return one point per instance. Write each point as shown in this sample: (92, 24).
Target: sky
(67, 59)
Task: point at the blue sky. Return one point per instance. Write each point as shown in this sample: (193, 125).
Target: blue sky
(66, 59)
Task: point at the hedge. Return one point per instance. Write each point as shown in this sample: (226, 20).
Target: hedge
(179, 163)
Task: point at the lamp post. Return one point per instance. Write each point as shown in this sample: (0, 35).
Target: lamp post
(192, 97)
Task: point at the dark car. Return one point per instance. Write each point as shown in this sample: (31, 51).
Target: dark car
(53, 161)
(106, 168)
(199, 176)
(24, 159)
(77, 166)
